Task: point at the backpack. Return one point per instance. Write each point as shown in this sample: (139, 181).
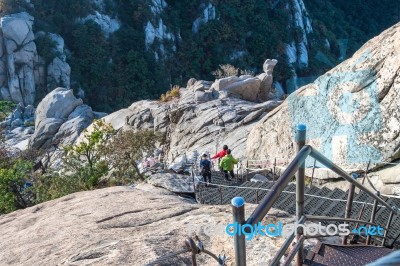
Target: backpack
(206, 167)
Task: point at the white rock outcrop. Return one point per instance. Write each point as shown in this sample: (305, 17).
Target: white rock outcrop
(107, 24)
(22, 70)
(59, 119)
(156, 30)
(297, 52)
(17, 59)
(208, 13)
(58, 71)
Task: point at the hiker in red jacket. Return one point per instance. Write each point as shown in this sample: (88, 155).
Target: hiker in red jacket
(220, 154)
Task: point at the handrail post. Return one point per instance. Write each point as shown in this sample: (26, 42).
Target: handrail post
(247, 170)
(387, 227)
(273, 177)
(239, 238)
(372, 219)
(349, 205)
(300, 141)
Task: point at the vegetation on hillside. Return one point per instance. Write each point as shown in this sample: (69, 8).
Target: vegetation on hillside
(118, 70)
(103, 158)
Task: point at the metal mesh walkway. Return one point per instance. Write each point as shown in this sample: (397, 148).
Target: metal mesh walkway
(338, 255)
(318, 201)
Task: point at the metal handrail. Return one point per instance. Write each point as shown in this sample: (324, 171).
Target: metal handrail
(297, 167)
(269, 199)
(325, 161)
(286, 245)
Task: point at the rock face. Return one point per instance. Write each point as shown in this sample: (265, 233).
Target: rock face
(21, 68)
(195, 126)
(60, 117)
(123, 226)
(202, 119)
(247, 87)
(17, 59)
(352, 112)
(58, 71)
(173, 182)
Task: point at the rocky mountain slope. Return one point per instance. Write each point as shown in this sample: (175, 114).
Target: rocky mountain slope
(124, 51)
(206, 115)
(351, 113)
(112, 227)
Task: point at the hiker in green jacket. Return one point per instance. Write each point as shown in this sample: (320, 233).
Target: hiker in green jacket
(227, 163)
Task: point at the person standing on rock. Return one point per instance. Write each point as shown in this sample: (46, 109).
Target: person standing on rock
(220, 155)
(205, 169)
(227, 163)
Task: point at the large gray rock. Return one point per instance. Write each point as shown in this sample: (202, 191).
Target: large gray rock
(44, 133)
(266, 79)
(21, 68)
(124, 226)
(58, 74)
(58, 71)
(57, 104)
(352, 112)
(77, 121)
(199, 85)
(244, 87)
(18, 39)
(60, 118)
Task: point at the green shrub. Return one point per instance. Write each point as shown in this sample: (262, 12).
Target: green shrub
(46, 48)
(126, 149)
(12, 180)
(85, 162)
(6, 107)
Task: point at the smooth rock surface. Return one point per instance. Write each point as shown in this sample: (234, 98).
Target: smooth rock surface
(124, 226)
(173, 182)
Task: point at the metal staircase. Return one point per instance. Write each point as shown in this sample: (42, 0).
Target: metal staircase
(311, 204)
(315, 205)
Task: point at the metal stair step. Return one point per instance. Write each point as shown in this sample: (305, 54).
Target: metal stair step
(286, 200)
(337, 208)
(321, 205)
(311, 202)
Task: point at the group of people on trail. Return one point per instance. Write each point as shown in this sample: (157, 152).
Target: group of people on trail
(226, 164)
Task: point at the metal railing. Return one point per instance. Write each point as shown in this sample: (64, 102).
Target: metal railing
(296, 168)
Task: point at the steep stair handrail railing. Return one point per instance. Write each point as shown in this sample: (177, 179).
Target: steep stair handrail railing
(297, 168)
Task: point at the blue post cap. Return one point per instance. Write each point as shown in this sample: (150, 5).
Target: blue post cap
(301, 127)
(237, 202)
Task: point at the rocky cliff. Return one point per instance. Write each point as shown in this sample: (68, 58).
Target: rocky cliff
(206, 115)
(352, 112)
(22, 70)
